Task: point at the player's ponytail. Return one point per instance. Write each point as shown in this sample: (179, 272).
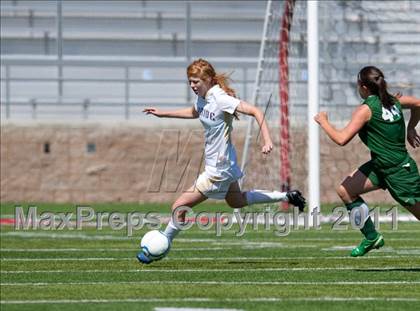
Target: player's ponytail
(386, 98)
(373, 79)
(223, 80)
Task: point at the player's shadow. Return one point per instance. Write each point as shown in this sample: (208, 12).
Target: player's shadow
(266, 264)
(388, 269)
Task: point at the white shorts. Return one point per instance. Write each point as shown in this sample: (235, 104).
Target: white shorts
(214, 189)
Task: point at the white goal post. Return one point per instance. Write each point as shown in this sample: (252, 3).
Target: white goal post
(272, 80)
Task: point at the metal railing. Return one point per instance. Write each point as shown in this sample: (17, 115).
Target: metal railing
(121, 106)
(123, 103)
(126, 100)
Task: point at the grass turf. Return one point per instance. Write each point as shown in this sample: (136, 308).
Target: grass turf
(305, 270)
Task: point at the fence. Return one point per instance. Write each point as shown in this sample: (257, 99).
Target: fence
(79, 93)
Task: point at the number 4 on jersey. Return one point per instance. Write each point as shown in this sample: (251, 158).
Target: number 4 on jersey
(388, 114)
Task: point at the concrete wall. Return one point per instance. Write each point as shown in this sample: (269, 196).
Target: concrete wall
(126, 155)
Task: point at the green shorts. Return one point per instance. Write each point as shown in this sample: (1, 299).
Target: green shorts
(402, 181)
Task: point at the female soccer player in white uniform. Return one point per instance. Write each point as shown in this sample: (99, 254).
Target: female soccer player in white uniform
(216, 106)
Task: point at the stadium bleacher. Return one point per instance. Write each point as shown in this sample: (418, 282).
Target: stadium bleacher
(106, 42)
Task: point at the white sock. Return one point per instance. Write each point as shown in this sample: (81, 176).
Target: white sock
(171, 230)
(264, 196)
(360, 210)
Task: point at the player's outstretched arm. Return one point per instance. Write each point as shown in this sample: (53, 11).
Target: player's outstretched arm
(413, 137)
(251, 110)
(409, 101)
(187, 113)
(341, 137)
(414, 104)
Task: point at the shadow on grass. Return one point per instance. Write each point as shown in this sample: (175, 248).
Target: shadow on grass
(388, 269)
(264, 263)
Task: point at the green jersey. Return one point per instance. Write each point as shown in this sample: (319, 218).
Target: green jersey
(384, 133)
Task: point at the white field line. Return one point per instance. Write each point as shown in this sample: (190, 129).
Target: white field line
(80, 236)
(288, 240)
(353, 240)
(52, 250)
(301, 229)
(208, 299)
(260, 219)
(323, 219)
(213, 283)
(409, 252)
(105, 271)
(197, 258)
(398, 251)
(194, 309)
(215, 240)
(386, 230)
(175, 249)
(406, 250)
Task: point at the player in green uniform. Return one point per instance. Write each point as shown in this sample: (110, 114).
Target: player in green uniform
(379, 121)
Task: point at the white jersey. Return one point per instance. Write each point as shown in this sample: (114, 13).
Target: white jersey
(216, 115)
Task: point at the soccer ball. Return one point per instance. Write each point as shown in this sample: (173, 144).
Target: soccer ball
(154, 246)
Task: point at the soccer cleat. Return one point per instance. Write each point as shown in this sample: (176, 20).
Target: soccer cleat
(295, 197)
(367, 245)
(142, 257)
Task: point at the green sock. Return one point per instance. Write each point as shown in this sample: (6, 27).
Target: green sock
(368, 229)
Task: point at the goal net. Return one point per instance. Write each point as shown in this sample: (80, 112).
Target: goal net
(352, 34)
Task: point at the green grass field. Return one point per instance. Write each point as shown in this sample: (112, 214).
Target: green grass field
(93, 269)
